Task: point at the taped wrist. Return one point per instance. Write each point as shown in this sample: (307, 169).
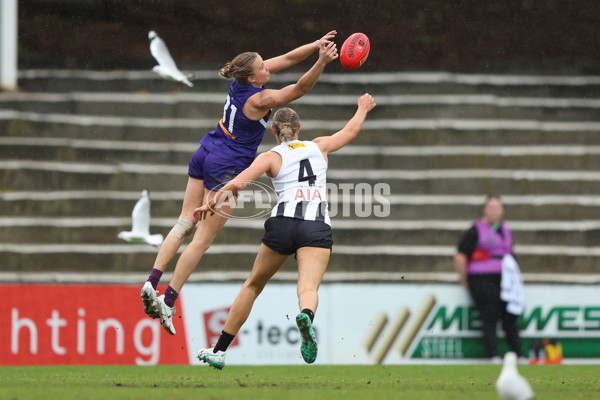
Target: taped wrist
(182, 229)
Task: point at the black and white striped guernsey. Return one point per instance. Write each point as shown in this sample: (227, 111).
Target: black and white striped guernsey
(301, 182)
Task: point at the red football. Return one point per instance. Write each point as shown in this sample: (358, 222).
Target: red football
(355, 51)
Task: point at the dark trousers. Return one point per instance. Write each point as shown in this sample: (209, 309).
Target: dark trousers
(485, 292)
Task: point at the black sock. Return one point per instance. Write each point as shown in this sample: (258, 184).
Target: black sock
(224, 341)
(310, 314)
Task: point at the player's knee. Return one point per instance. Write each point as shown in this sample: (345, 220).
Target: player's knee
(182, 229)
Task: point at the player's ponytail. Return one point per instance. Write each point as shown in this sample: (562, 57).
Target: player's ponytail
(286, 123)
(240, 67)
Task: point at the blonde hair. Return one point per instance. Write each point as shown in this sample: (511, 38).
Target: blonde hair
(286, 123)
(240, 67)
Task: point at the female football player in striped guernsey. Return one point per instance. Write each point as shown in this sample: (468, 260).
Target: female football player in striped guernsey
(299, 223)
(223, 154)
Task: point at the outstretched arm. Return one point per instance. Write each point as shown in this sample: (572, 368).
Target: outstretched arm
(329, 144)
(262, 164)
(258, 104)
(293, 57)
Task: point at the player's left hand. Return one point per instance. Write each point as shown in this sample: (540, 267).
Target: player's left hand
(202, 212)
(325, 39)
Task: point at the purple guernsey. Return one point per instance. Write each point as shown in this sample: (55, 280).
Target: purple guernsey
(237, 137)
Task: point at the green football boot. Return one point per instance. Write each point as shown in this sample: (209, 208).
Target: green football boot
(309, 342)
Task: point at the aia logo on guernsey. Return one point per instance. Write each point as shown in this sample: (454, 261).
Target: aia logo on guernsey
(308, 194)
(213, 324)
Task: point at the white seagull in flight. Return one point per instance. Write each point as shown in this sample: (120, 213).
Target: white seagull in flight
(140, 224)
(166, 67)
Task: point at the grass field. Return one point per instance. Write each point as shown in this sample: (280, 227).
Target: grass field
(421, 382)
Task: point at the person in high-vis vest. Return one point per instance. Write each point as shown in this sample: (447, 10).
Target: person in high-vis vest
(478, 261)
(299, 223)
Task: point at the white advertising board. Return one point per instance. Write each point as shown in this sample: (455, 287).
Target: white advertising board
(386, 323)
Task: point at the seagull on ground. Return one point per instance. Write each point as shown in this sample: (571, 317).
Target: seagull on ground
(140, 224)
(510, 384)
(166, 67)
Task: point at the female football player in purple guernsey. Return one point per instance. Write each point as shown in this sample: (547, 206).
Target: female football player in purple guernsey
(224, 153)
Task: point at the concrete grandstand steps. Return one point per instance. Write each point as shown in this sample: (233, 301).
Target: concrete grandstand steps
(107, 151)
(386, 132)
(562, 157)
(369, 157)
(347, 231)
(506, 181)
(15, 123)
(345, 258)
(342, 83)
(328, 107)
(49, 175)
(142, 105)
(167, 205)
(70, 175)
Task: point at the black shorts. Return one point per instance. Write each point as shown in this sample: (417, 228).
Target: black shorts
(286, 235)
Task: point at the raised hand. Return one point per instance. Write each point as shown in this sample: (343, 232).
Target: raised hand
(328, 52)
(326, 38)
(366, 102)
